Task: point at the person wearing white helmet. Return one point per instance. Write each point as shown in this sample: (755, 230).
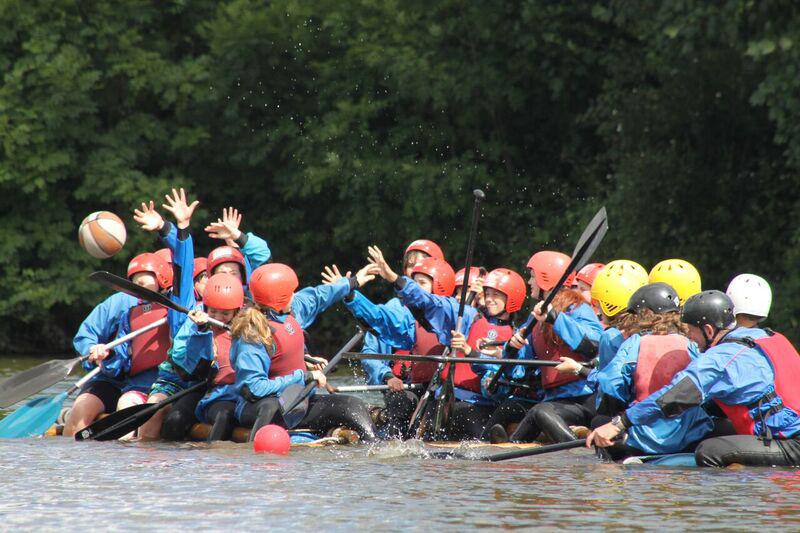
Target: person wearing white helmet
(752, 297)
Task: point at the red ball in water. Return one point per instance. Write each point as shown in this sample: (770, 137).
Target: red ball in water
(272, 439)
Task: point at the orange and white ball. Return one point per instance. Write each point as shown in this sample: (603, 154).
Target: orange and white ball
(102, 234)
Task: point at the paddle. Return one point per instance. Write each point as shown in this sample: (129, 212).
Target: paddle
(29, 382)
(128, 287)
(36, 416)
(370, 388)
(294, 398)
(590, 239)
(444, 359)
(122, 422)
(513, 454)
(446, 395)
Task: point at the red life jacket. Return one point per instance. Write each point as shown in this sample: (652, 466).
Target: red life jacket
(149, 349)
(226, 375)
(427, 343)
(464, 377)
(785, 363)
(552, 351)
(290, 348)
(660, 358)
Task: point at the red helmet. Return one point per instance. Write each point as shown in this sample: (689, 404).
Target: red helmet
(589, 272)
(509, 283)
(153, 263)
(444, 279)
(548, 267)
(223, 291)
(273, 285)
(165, 254)
(199, 267)
(225, 254)
(426, 246)
(474, 272)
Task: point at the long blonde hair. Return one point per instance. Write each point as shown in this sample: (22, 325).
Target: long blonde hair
(251, 326)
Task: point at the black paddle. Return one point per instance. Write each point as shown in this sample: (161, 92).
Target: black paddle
(445, 359)
(294, 400)
(590, 239)
(120, 423)
(128, 287)
(513, 454)
(446, 396)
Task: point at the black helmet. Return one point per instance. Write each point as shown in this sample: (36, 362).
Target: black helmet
(709, 307)
(658, 297)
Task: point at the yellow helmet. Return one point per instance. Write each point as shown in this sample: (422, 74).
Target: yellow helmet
(680, 274)
(615, 283)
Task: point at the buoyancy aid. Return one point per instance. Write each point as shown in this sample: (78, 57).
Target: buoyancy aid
(553, 351)
(426, 343)
(660, 358)
(785, 363)
(226, 375)
(289, 348)
(464, 377)
(149, 349)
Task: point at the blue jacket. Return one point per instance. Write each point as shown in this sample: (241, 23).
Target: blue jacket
(578, 327)
(395, 328)
(251, 362)
(118, 363)
(665, 435)
(310, 302)
(728, 372)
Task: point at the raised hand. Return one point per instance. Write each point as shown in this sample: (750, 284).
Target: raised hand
(148, 218)
(381, 267)
(180, 209)
(227, 227)
(331, 275)
(365, 275)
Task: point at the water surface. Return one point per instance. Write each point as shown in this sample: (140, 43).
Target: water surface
(55, 483)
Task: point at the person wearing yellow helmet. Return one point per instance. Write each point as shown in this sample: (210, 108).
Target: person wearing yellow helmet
(681, 275)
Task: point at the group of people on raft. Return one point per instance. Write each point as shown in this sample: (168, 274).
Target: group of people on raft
(649, 361)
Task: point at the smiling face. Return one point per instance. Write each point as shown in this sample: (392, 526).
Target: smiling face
(495, 301)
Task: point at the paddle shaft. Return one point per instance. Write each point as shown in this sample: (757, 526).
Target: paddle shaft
(514, 454)
(83, 381)
(442, 359)
(370, 388)
(333, 362)
(137, 291)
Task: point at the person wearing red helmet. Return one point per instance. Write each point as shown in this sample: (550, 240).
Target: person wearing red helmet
(269, 346)
(475, 281)
(130, 369)
(569, 328)
(242, 253)
(420, 249)
(197, 347)
(584, 279)
(504, 292)
(200, 277)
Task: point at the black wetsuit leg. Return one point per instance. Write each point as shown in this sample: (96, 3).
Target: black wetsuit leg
(747, 450)
(507, 413)
(468, 420)
(260, 413)
(554, 418)
(181, 418)
(327, 412)
(399, 406)
(223, 420)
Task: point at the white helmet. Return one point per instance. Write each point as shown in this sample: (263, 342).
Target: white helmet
(750, 294)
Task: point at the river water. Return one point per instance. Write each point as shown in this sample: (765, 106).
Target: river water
(55, 483)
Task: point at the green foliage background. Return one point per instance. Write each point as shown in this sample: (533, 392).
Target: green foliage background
(337, 124)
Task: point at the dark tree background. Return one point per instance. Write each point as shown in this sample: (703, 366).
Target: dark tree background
(337, 124)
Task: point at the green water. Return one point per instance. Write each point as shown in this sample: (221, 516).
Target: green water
(55, 483)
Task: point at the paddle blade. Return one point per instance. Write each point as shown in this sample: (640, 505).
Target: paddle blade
(36, 379)
(595, 232)
(100, 429)
(33, 418)
(128, 287)
(294, 403)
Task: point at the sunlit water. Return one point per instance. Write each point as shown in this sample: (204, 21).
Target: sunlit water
(55, 483)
